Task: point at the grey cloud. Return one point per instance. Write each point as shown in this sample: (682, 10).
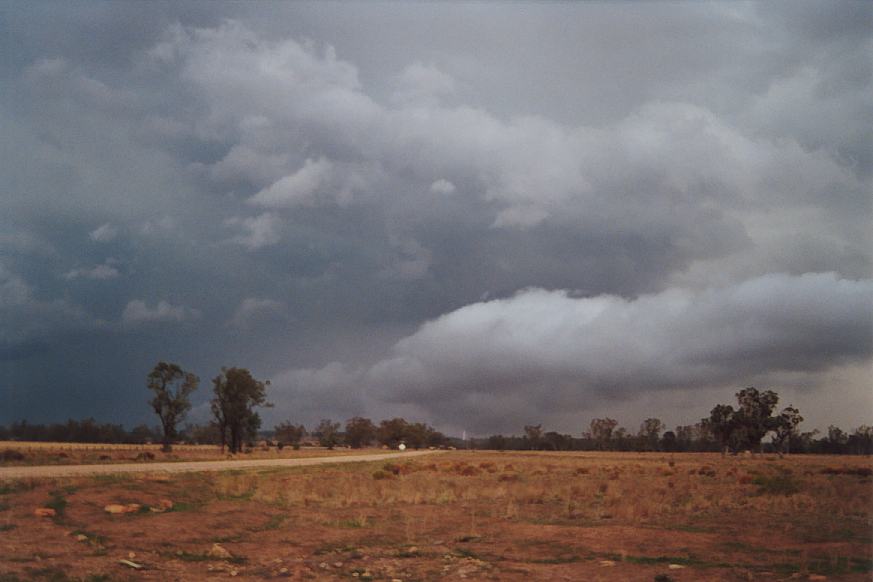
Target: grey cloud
(370, 167)
(547, 353)
(137, 312)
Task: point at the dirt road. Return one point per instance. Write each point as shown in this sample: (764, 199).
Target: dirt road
(51, 471)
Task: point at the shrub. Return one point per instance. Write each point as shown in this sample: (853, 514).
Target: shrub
(11, 455)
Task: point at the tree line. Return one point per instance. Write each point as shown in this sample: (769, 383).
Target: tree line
(236, 423)
(726, 429)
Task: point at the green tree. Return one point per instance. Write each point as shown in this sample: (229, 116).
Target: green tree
(327, 433)
(237, 393)
(650, 432)
(720, 425)
(534, 434)
(290, 433)
(601, 429)
(172, 387)
(392, 432)
(754, 417)
(360, 432)
(784, 427)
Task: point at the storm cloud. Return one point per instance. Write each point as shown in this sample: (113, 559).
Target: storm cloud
(478, 215)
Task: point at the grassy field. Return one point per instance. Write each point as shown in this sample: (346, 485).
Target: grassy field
(456, 515)
(17, 454)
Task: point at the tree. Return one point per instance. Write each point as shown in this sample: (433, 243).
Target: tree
(720, 425)
(533, 433)
(650, 430)
(784, 426)
(172, 386)
(601, 431)
(236, 395)
(669, 441)
(754, 417)
(392, 432)
(289, 433)
(360, 432)
(327, 433)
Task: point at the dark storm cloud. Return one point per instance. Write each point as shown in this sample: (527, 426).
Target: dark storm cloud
(233, 184)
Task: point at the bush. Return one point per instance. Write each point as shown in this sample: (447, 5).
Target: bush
(11, 455)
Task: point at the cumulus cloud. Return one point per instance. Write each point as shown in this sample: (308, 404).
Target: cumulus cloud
(254, 312)
(298, 188)
(258, 231)
(101, 272)
(103, 233)
(137, 312)
(28, 322)
(421, 84)
(392, 182)
(547, 353)
(442, 186)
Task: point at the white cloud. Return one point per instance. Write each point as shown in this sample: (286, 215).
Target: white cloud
(442, 186)
(548, 353)
(99, 272)
(421, 84)
(258, 231)
(103, 233)
(254, 311)
(137, 312)
(298, 189)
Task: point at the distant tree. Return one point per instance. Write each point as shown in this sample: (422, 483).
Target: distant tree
(392, 432)
(142, 433)
(497, 442)
(172, 387)
(650, 432)
(861, 441)
(601, 430)
(720, 425)
(289, 433)
(417, 434)
(555, 441)
(203, 434)
(360, 432)
(754, 417)
(784, 426)
(669, 442)
(327, 433)
(237, 393)
(533, 433)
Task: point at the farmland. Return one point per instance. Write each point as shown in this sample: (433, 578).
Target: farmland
(455, 515)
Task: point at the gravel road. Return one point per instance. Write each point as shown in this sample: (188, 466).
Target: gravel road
(51, 471)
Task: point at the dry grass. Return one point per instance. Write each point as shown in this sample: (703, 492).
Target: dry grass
(491, 516)
(14, 453)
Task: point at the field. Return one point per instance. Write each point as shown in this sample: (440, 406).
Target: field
(455, 515)
(13, 453)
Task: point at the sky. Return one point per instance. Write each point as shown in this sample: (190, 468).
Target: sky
(476, 215)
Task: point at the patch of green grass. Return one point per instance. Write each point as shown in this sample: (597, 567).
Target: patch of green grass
(568, 559)
(58, 502)
(781, 484)
(185, 506)
(190, 557)
(7, 527)
(14, 487)
(93, 538)
(4, 506)
(467, 553)
(275, 522)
